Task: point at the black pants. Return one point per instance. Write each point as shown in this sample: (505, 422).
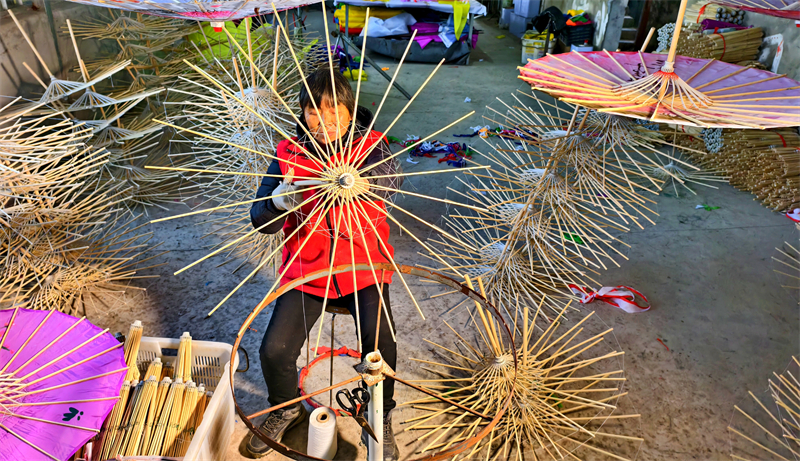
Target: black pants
(284, 338)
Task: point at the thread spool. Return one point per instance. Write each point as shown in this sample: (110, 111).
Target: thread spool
(322, 434)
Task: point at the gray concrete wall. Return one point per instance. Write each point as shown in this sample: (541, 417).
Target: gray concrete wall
(15, 80)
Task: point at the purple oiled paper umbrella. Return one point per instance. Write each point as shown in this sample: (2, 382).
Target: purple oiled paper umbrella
(59, 378)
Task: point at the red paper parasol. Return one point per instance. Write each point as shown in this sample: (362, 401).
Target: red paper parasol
(677, 89)
(719, 94)
(777, 8)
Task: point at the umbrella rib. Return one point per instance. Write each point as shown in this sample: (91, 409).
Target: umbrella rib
(71, 426)
(27, 443)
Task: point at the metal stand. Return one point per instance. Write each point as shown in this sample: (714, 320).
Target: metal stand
(373, 371)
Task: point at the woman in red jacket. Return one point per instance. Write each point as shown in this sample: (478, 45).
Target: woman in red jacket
(309, 249)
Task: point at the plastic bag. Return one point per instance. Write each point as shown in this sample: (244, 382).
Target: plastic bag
(397, 25)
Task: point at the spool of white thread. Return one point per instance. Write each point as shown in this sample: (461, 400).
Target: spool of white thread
(322, 433)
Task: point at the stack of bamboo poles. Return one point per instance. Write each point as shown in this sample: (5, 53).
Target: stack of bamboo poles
(157, 415)
(764, 163)
(565, 389)
(700, 10)
(734, 46)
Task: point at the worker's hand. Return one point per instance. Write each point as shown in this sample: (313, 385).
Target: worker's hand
(285, 197)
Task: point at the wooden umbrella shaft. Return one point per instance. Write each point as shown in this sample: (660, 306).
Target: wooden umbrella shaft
(676, 36)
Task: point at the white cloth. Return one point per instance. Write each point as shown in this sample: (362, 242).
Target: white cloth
(475, 7)
(396, 25)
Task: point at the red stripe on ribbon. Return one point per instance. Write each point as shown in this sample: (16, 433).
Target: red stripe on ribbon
(621, 297)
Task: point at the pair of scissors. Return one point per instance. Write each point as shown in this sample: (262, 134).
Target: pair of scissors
(356, 405)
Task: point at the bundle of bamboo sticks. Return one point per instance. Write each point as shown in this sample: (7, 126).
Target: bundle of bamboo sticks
(765, 163)
(157, 415)
(700, 10)
(733, 46)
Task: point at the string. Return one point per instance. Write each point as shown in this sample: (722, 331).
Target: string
(723, 45)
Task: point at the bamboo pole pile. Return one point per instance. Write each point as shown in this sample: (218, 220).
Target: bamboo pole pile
(769, 430)
(565, 389)
(763, 162)
(155, 416)
(733, 46)
(700, 10)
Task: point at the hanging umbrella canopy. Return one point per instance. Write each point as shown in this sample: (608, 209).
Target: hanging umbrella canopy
(59, 378)
(719, 94)
(217, 12)
(777, 8)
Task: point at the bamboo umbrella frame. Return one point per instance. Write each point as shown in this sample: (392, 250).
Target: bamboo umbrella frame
(56, 234)
(225, 118)
(501, 331)
(554, 205)
(564, 390)
(119, 123)
(100, 264)
(340, 181)
(770, 429)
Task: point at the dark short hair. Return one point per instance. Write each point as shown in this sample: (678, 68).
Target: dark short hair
(322, 90)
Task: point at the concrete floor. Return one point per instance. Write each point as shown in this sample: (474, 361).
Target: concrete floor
(717, 304)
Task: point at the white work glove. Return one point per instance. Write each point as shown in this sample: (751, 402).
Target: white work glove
(285, 197)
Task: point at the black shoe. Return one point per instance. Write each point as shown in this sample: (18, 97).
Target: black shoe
(390, 450)
(276, 424)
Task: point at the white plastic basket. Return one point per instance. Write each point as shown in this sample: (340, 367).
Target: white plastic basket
(211, 367)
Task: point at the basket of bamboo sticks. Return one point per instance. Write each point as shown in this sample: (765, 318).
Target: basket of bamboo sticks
(176, 401)
(210, 368)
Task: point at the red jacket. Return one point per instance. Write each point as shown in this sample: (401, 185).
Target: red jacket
(317, 251)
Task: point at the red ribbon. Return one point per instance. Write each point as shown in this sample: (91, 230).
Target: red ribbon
(702, 10)
(782, 140)
(724, 47)
(324, 353)
(621, 297)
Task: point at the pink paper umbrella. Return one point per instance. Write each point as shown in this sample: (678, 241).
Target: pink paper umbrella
(59, 378)
(778, 8)
(699, 92)
(669, 89)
